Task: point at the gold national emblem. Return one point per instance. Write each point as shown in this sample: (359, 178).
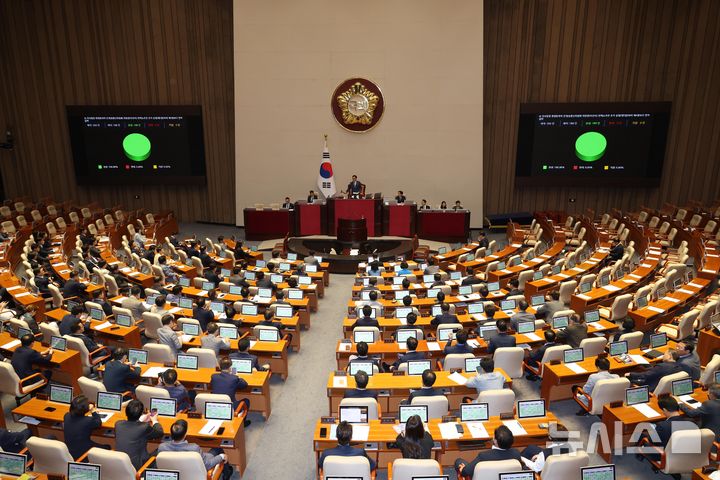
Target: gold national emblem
(357, 104)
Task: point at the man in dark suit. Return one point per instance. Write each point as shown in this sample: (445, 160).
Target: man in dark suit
(70, 319)
(522, 315)
(483, 241)
(287, 204)
(514, 287)
(471, 279)
(79, 427)
(427, 390)
(534, 456)
(77, 331)
(411, 354)
(261, 281)
(25, 359)
(225, 383)
(268, 321)
(73, 288)
(708, 412)
(344, 435)
(460, 344)
(42, 280)
(366, 320)
(502, 339)
(575, 332)
(14, 441)
(312, 196)
(551, 305)
(118, 373)
(206, 259)
(354, 188)
(651, 376)
(534, 357)
(400, 197)
(673, 421)
(362, 355)
(243, 354)
(503, 440)
(616, 251)
(688, 359)
(203, 314)
(360, 390)
(444, 317)
(132, 435)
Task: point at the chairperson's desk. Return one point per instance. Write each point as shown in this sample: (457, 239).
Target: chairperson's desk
(446, 450)
(51, 414)
(392, 389)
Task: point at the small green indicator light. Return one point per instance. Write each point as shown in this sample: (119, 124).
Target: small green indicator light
(590, 146)
(136, 147)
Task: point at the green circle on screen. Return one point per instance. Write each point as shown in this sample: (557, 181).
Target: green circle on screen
(590, 146)
(136, 147)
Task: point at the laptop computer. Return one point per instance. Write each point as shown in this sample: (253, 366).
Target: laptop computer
(241, 365)
(417, 367)
(218, 411)
(637, 395)
(61, 394)
(187, 362)
(474, 412)
(657, 340)
(530, 408)
(407, 411)
(601, 472)
(83, 471)
(12, 464)
(156, 474)
(353, 414)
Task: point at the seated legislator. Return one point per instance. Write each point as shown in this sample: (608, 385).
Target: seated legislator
(287, 204)
(159, 306)
(213, 340)
(708, 412)
(167, 334)
(534, 357)
(574, 333)
(14, 441)
(534, 456)
(458, 206)
(458, 344)
(651, 376)
(132, 435)
(427, 390)
(444, 317)
(134, 303)
(503, 440)
(119, 372)
(502, 339)
(411, 354)
(70, 319)
(268, 321)
(72, 287)
(431, 268)
(243, 354)
(202, 313)
(25, 359)
(617, 250)
(175, 294)
(470, 279)
(424, 205)
(688, 358)
(362, 356)
(415, 441)
(483, 242)
(373, 302)
(404, 270)
(179, 443)
(552, 304)
(374, 269)
(78, 427)
(168, 381)
(522, 315)
(311, 259)
(443, 205)
(344, 435)
(312, 197)
(673, 419)
(227, 383)
(366, 320)
(77, 330)
(514, 285)
(628, 326)
(400, 197)
(361, 391)
(603, 373)
(489, 379)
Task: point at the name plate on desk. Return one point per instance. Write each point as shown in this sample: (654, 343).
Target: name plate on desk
(327, 419)
(398, 374)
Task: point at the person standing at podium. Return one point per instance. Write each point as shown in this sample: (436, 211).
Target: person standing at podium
(400, 197)
(354, 188)
(312, 196)
(287, 204)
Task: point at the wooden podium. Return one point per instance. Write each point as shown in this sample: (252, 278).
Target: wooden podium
(351, 230)
(355, 209)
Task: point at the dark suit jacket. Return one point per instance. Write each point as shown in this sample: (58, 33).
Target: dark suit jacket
(346, 451)
(484, 243)
(492, 455)
(442, 318)
(709, 414)
(501, 340)
(691, 364)
(652, 375)
(117, 376)
(361, 393)
(213, 277)
(574, 334)
(89, 344)
(247, 356)
(366, 322)
(425, 392)
(409, 356)
(537, 355)
(228, 384)
(457, 348)
(73, 288)
(77, 432)
(426, 445)
(204, 317)
(24, 359)
(66, 322)
(471, 280)
(265, 283)
(42, 284)
(617, 252)
(132, 438)
(664, 428)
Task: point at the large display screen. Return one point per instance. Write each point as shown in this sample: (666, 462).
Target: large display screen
(114, 145)
(592, 144)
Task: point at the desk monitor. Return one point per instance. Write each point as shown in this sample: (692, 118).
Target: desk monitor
(310, 268)
(407, 411)
(501, 266)
(442, 250)
(560, 322)
(417, 367)
(526, 327)
(284, 311)
(445, 334)
(294, 294)
(658, 340)
(305, 280)
(58, 343)
(264, 292)
(573, 355)
(487, 331)
(717, 376)
(400, 294)
(428, 278)
(398, 280)
(636, 395)
(230, 332)
(455, 275)
(246, 309)
(250, 276)
(604, 280)
(537, 275)
(470, 257)
(155, 474)
(530, 255)
(472, 364)
(184, 281)
(187, 362)
(601, 472)
(260, 263)
(517, 476)
(507, 305)
(402, 335)
(224, 272)
(71, 304)
(217, 307)
(641, 302)
(585, 287)
(493, 286)
(436, 310)
(96, 314)
(22, 331)
(61, 394)
(241, 365)
(191, 329)
(207, 286)
(12, 464)
(125, 320)
(592, 316)
(684, 386)
(660, 292)
(218, 411)
(537, 300)
(109, 401)
(357, 366)
(83, 471)
(292, 257)
(137, 356)
(353, 414)
(531, 408)
(677, 283)
(433, 292)
(269, 335)
(618, 348)
(276, 278)
(474, 412)
(619, 274)
(402, 312)
(167, 407)
(556, 269)
(363, 336)
(474, 308)
(465, 290)
(253, 248)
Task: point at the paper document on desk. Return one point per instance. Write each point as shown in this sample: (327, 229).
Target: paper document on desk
(611, 288)
(689, 401)
(639, 359)
(211, 427)
(29, 420)
(692, 284)
(628, 281)
(686, 292)
(23, 294)
(184, 338)
(575, 368)
(645, 265)
(339, 382)
(448, 431)
(103, 326)
(344, 347)
(105, 415)
(562, 275)
(646, 410)
(252, 343)
(433, 346)
(11, 344)
(533, 337)
(403, 321)
(478, 317)
(655, 309)
(399, 428)
(672, 299)
(473, 343)
(477, 429)
(16, 287)
(153, 372)
(458, 378)
(583, 296)
(514, 427)
(402, 346)
(360, 433)
(174, 310)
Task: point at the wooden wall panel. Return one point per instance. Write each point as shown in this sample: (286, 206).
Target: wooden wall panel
(57, 53)
(603, 51)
